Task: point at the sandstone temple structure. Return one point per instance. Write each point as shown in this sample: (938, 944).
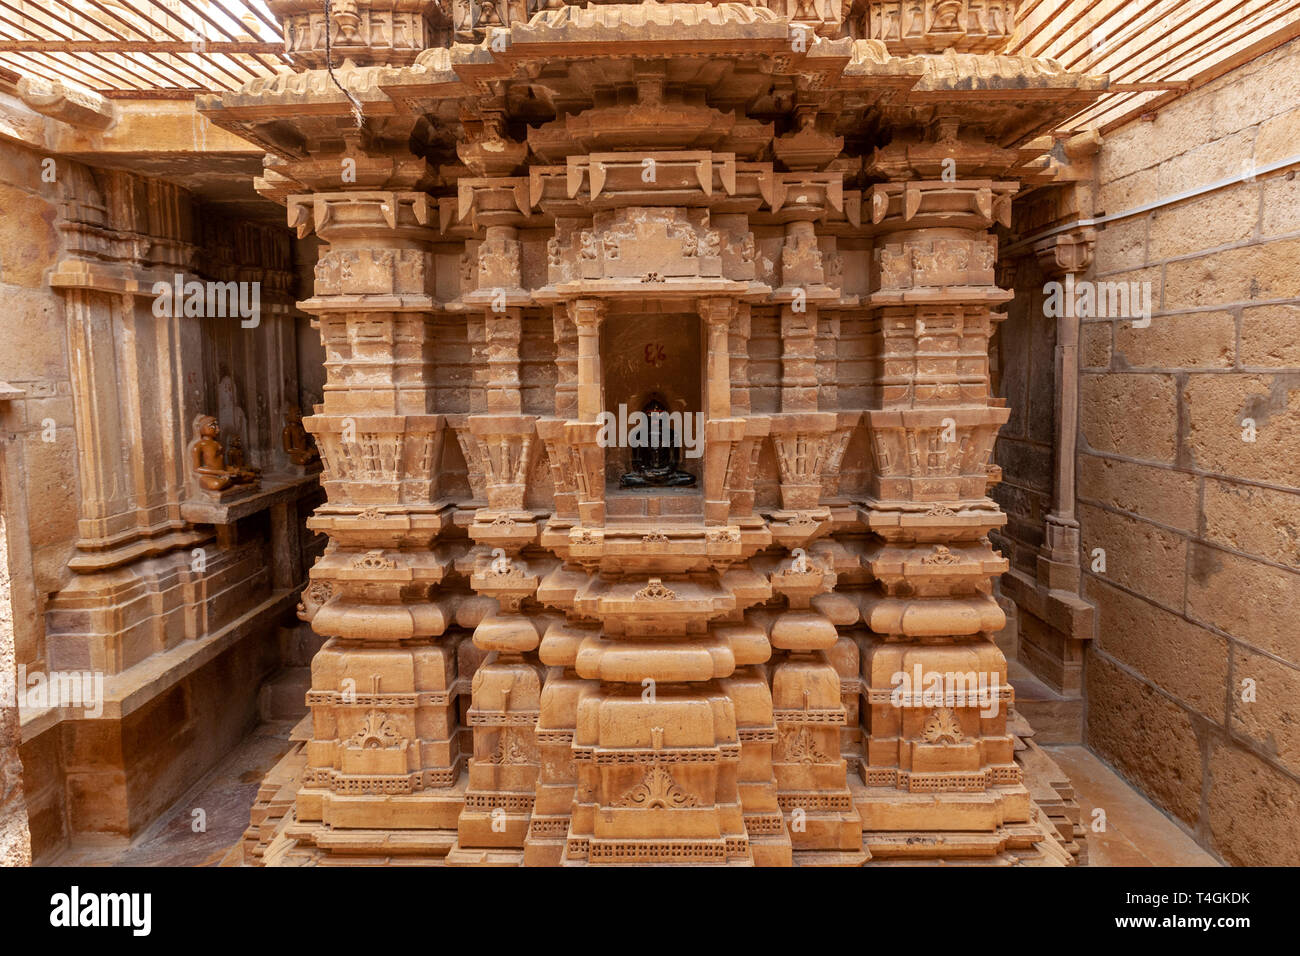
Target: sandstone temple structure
(604, 400)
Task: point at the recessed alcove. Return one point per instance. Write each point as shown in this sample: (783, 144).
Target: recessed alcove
(659, 358)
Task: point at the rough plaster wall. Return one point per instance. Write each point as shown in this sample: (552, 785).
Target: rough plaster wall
(1201, 528)
(33, 356)
(34, 473)
(15, 841)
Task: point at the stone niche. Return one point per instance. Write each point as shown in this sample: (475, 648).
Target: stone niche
(647, 356)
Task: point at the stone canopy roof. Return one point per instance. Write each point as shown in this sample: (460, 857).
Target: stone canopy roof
(1153, 50)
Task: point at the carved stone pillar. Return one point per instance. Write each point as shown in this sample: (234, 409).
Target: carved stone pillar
(506, 703)
(1062, 255)
(823, 823)
(557, 776)
(566, 363)
(583, 435)
(721, 428)
(587, 315)
(808, 711)
(738, 340)
(384, 751)
(1054, 622)
(938, 754)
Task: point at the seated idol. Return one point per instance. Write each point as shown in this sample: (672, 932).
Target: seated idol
(208, 459)
(298, 443)
(656, 464)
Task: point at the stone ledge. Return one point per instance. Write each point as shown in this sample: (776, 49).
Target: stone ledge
(275, 490)
(127, 692)
(1063, 610)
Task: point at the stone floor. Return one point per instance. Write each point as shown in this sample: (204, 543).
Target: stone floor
(1055, 719)
(1136, 834)
(224, 795)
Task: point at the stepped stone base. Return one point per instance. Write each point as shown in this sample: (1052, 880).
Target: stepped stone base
(1053, 835)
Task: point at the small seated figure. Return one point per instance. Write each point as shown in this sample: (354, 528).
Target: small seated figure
(298, 443)
(235, 457)
(208, 459)
(657, 467)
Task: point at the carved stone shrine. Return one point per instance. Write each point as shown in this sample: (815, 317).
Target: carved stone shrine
(778, 223)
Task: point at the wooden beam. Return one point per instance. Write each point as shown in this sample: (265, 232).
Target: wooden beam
(1155, 86)
(1094, 114)
(138, 46)
(159, 94)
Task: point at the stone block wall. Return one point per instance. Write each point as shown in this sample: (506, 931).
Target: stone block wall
(1189, 464)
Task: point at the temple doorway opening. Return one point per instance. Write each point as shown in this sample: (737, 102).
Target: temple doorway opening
(653, 367)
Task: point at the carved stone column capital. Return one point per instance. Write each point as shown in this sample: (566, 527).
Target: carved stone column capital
(361, 215)
(587, 314)
(1067, 252)
(717, 311)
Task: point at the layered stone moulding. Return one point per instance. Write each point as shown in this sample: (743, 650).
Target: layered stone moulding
(765, 640)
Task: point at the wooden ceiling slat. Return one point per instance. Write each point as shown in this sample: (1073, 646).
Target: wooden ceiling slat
(1166, 41)
(1202, 40)
(1024, 31)
(275, 28)
(1134, 24)
(1270, 41)
(100, 68)
(189, 4)
(142, 10)
(1027, 12)
(47, 67)
(35, 68)
(1152, 44)
(246, 7)
(1112, 112)
(1045, 43)
(142, 13)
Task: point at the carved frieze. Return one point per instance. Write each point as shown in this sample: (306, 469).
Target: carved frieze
(364, 464)
(639, 241)
(932, 26)
(365, 31)
(374, 272)
(916, 263)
